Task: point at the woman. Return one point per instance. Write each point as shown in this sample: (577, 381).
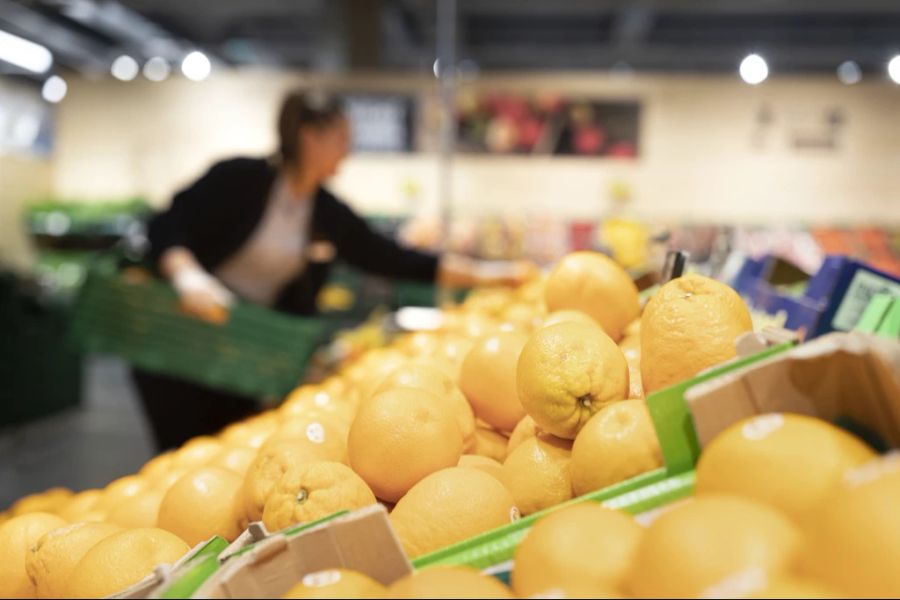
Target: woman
(266, 231)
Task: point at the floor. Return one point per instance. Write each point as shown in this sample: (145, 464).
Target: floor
(89, 446)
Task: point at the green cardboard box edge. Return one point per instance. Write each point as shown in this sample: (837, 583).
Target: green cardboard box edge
(206, 562)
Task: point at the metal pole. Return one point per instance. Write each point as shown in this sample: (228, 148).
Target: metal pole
(446, 72)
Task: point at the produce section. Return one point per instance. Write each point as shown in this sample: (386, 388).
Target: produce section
(449, 299)
(515, 439)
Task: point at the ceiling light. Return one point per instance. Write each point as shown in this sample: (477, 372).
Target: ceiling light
(124, 68)
(196, 66)
(754, 69)
(848, 72)
(54, 89)
(894, 69)
(156, 69)
(24, 54)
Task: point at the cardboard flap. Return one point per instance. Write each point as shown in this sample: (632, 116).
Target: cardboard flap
(362, 540)
(837, 376)
(144, 587)
(255, 532)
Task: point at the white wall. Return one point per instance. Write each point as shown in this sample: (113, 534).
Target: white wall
(698, 158)
(21, 179)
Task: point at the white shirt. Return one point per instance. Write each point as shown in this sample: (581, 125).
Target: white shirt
(274, 253)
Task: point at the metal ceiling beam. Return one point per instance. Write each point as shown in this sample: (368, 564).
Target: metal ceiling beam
(69, 48)
(780, 58)
(364, 33)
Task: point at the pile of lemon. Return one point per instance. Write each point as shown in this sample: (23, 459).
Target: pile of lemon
(523, 399)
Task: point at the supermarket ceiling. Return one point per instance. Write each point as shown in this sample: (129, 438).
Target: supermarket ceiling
(400, 35)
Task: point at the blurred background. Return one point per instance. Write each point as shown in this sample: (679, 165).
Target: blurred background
(498, 129)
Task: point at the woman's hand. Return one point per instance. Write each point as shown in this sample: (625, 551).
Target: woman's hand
(463, 272)
(200, 294)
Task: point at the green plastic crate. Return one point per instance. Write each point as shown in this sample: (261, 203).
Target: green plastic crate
(40, 376)
(680, 450)
(258, 352)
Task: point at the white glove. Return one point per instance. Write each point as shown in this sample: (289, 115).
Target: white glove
(202, 295)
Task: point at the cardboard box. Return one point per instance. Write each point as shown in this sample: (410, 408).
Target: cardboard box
(849, 378)
(362, 540)
(162, 574)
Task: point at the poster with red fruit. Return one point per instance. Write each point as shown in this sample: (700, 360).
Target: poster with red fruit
(548, 124)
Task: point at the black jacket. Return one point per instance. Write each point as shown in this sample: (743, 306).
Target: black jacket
(218, 213)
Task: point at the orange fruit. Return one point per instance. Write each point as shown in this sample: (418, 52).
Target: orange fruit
(631, 350)
(490, 443)
(520, 315)
(251, 432)
(139, 511)
(157, 467)
(689, 325)
(315, 401)
(419, 343)
(335, 386)
(453, 349)
(488, 465)
(196, 452)
(566, 373)
(537, 473)
(524, 429)
(203, 503)
(788, 586)
(118, 491)
(597, 286)
(449, 506)
(81, 503)
(17, 536)
(94, 516)
(488, 379)
(51, 560)
(616, 444)
(121, 560)
(853, 536)
(47, 501)
(168, 480)
(491, 300)
(585, 544)
(568, 316)
(532, 290)
(474, 325)
(788, 461)
(448, 582)
(694, 548)
(236, 459)
(400, 436)
(266, 469)
(326, 438)
(430, 377)
(311, 491)
(634, 329)
(375, 366)
(336, 583)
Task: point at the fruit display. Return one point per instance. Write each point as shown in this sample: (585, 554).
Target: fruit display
(523, 401)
